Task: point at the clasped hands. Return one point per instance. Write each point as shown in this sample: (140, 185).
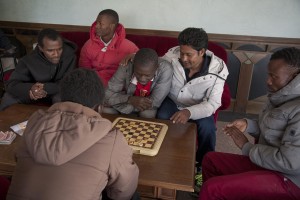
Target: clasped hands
(37, 91)
(236, 131)
(140, 103)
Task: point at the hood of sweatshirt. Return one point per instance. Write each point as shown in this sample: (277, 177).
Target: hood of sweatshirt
(69, 50)
(64, 131)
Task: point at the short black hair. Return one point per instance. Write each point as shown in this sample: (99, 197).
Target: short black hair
(290, 55)
(195, 37)
(49, 33)
(111, 13)
(146, 57)
(82, 86)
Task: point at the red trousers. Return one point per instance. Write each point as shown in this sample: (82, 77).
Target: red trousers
(4, 185)
(235, 177)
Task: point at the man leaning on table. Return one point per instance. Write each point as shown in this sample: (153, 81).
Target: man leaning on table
(71, 152)
(140, 86)
(37, 75)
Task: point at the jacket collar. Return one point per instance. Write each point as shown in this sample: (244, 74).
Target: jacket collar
(74, 108)
(288, 92)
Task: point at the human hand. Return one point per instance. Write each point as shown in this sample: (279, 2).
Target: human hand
(240, 124)
(127, 59)
(181, 116)
(37, 91)
(140, 103)
(237, 136)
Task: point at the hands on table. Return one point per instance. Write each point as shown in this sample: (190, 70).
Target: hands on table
(181, 116)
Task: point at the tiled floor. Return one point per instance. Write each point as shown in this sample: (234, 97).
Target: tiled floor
(224, 144)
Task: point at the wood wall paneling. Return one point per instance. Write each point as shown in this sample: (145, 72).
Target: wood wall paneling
(247, 49)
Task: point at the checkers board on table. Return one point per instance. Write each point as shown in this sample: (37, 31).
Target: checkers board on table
(144, 137)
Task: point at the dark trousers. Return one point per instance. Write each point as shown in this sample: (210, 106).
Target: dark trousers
(206, 128)
(235, 177)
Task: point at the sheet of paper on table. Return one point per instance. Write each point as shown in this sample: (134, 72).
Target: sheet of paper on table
(19, 128)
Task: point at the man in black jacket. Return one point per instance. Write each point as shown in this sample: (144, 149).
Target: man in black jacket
(37, 75)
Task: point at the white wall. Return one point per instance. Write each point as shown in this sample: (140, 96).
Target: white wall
(274, 18)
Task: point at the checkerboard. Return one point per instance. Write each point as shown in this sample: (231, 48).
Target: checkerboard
(144, 137)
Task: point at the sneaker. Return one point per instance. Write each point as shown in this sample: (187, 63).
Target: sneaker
(198, 178)
(198, 182)
(197, 186)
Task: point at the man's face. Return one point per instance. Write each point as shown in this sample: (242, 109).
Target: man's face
(104, 26)
(190, 58)
(144, 74)
(279, 75)
(52, 49)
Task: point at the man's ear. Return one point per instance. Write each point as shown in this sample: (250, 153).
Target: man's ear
(98, 108)
(202, 52)
(113, 26)
(40, 48)
(294, 71)
(298, 72)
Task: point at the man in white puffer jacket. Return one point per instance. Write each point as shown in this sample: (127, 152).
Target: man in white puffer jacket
(197, 87)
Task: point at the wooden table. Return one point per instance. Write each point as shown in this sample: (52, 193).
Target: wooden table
(160, 176)
(11, 116)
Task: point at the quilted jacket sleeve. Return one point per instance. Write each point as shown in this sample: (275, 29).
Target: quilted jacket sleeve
(115, 94)
(162, 84)
(84, 60)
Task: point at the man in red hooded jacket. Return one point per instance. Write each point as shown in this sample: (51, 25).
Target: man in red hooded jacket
(107, 45)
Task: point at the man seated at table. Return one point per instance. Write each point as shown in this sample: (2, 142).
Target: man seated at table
(140, 86)
(197, 87)
(71, 152)
(37, 75)
(107, 45)
(269, 169)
